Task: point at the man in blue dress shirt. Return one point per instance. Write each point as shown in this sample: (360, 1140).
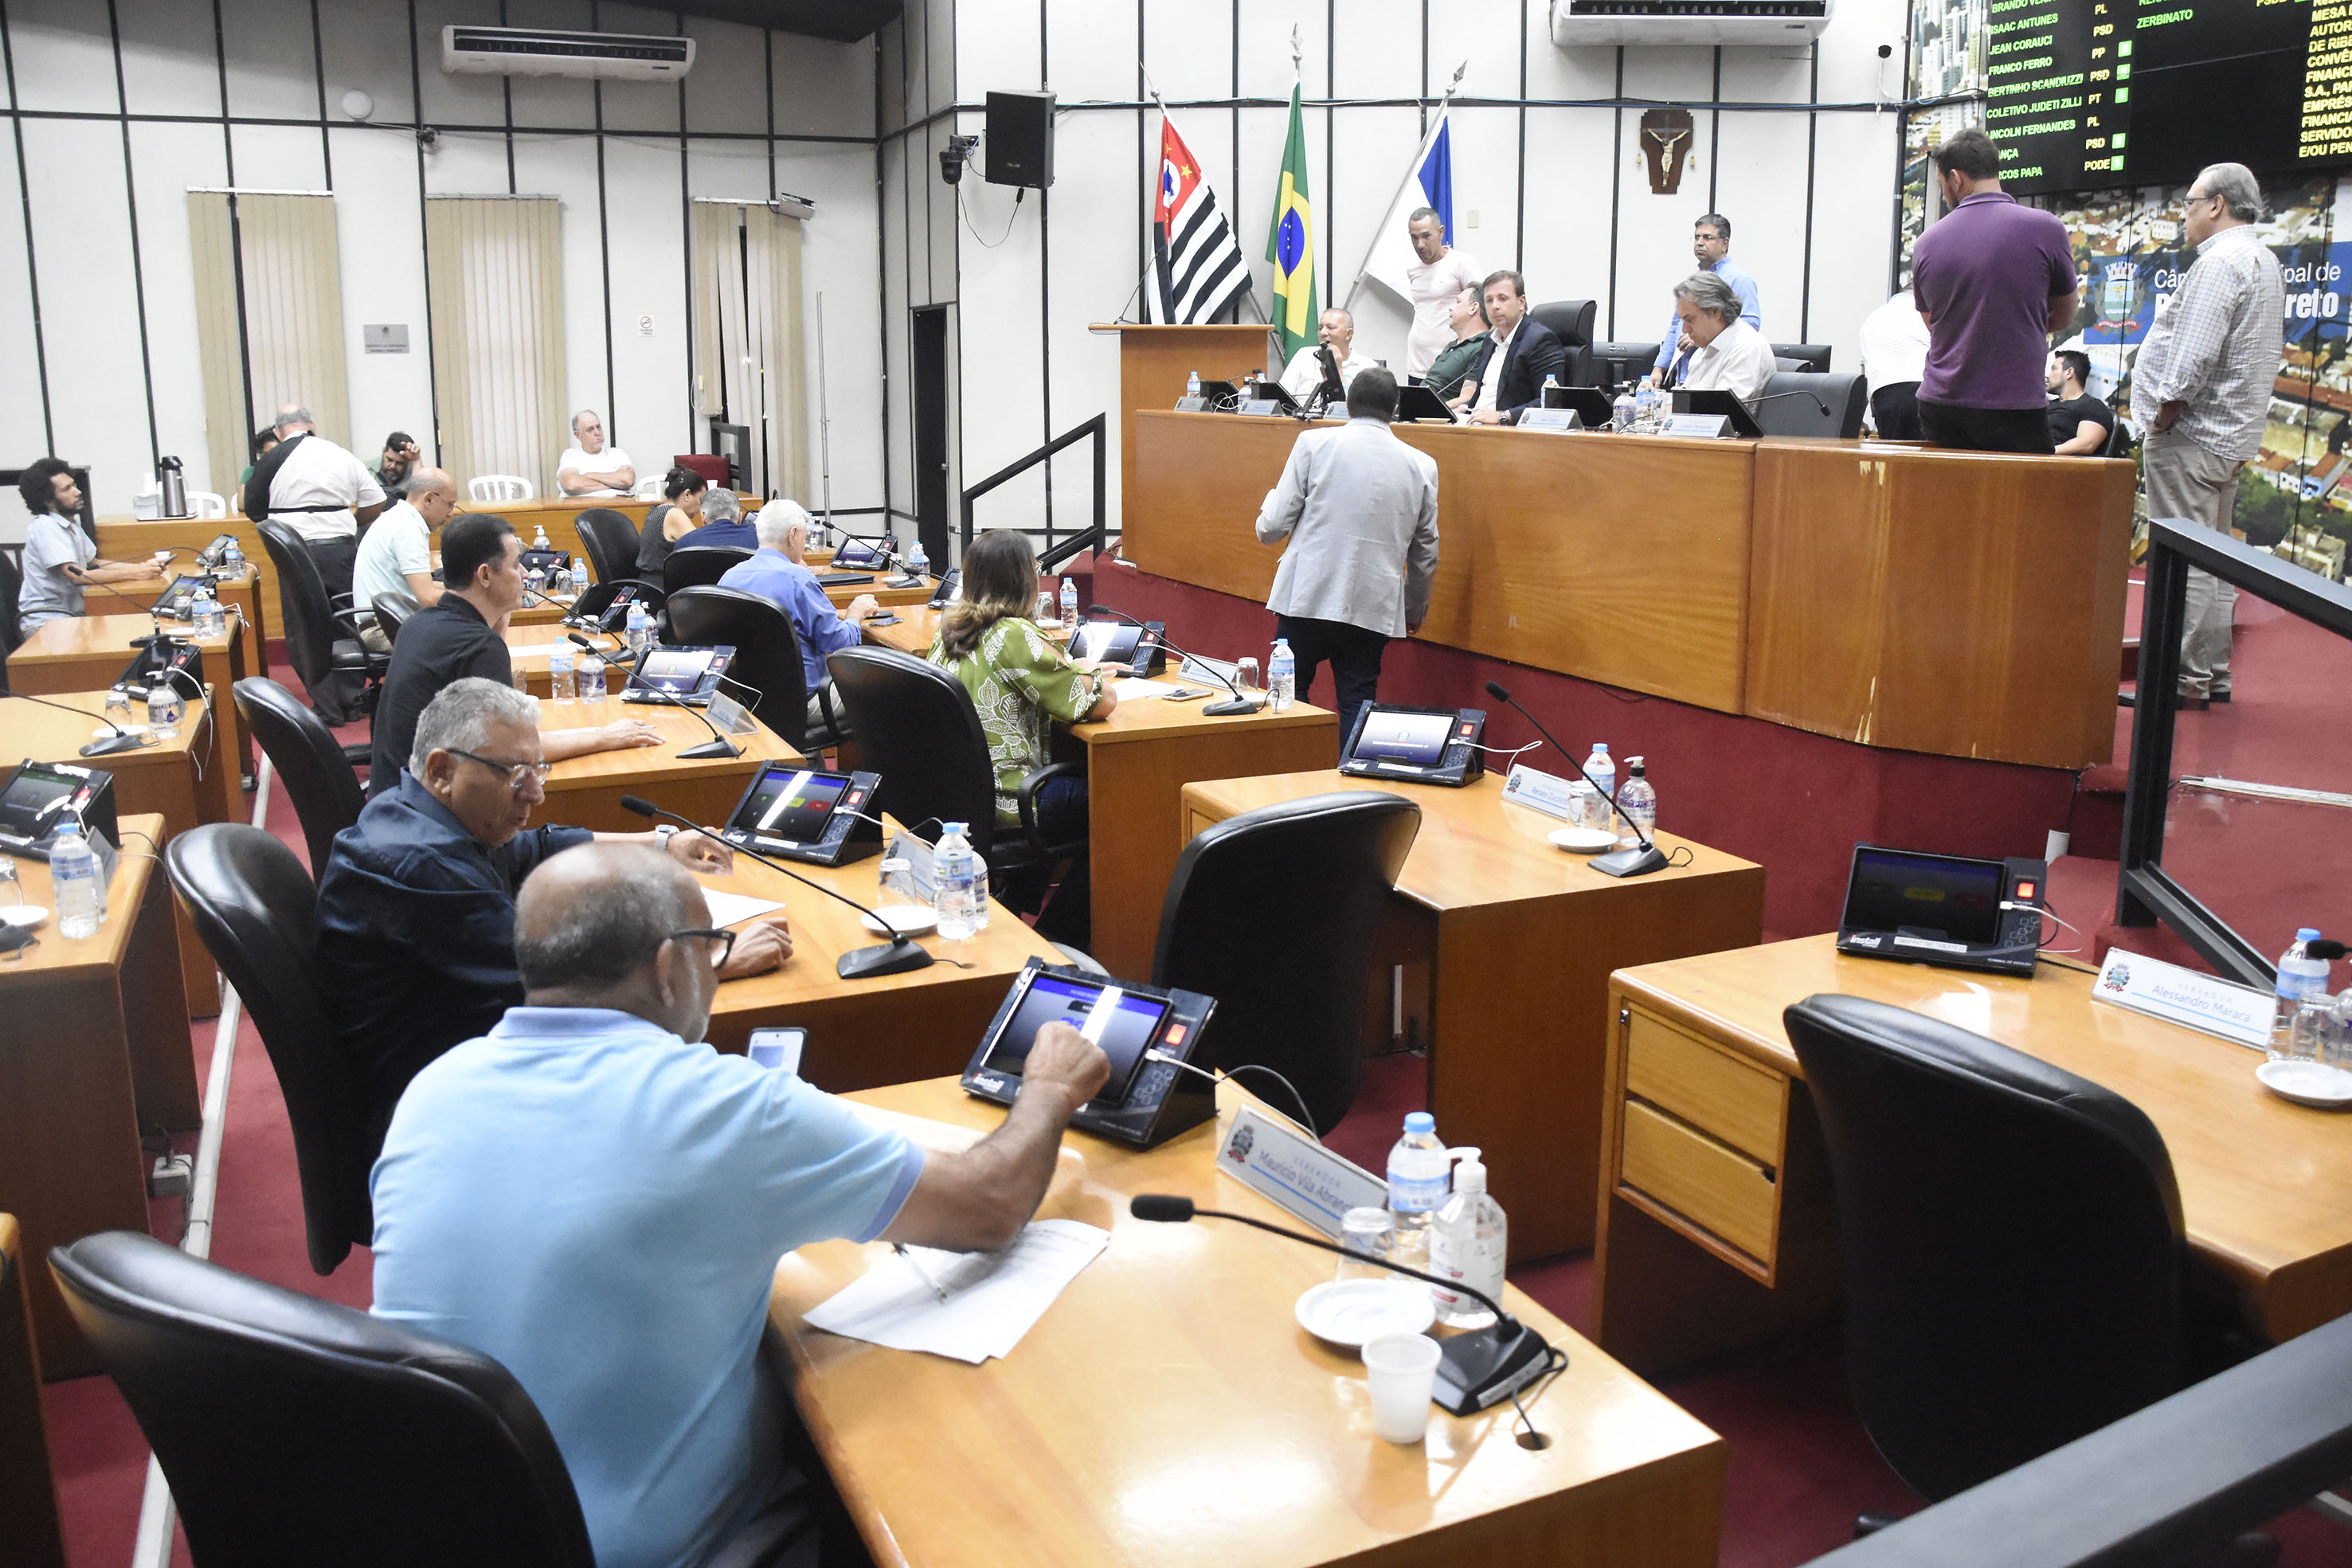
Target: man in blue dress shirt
(1711, 247)
(722, 524)
(599, 1201)
(777, 572)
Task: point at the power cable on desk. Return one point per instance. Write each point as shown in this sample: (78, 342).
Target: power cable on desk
(1304, 1120)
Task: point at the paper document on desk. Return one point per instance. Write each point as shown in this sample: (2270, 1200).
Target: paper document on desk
(993, 1297)
(1134, 688)
(540, 650)
(727, 908)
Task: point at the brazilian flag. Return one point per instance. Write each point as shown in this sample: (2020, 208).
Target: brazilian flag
(1291, 245)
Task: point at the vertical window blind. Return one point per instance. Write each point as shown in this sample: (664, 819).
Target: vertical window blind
(493, 266)
(269, 319)
(748, 345)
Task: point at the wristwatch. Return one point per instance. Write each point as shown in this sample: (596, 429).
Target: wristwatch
(664, 833)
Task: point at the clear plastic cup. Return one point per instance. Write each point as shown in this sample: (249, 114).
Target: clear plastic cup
(1246, 680)
(1401, 1370)
(1367, 1230)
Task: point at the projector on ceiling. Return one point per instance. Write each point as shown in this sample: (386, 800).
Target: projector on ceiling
(1607, 23)
(532, 52)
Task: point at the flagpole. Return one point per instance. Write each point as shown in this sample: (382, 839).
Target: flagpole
(1411, 173)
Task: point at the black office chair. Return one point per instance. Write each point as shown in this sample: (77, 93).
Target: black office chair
(2120, 440)
(1320, 868)
(322, 638)
(2010, 1238)
(12, 586)
(1615, 364)
(767, 657)
(1811, 357)
(254, 908)
(298, 1430)
(916, 727)
(1570, 320)
(611, 542)
(315, 769)
(1843, 393)
(392, 613)
(699, 566)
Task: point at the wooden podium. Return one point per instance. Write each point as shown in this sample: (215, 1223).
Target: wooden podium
(1154, 363)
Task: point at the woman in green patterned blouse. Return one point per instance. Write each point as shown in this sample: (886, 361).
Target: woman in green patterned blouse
(1021, 684)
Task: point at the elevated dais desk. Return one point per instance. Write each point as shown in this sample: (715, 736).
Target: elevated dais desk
(1166, 1411)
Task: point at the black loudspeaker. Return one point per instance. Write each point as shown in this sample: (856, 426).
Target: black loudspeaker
(1021, 138)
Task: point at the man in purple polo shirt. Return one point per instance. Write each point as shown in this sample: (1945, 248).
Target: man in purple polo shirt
(1992, 280)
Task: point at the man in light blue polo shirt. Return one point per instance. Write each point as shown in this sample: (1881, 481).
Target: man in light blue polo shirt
(599, 1201)
(1711, 248)
(777, 573)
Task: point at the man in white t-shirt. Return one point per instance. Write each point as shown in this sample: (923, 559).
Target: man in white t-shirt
(395, 558)
(1435, 282)
(1336, 331)
(588, 467)
(319, 490)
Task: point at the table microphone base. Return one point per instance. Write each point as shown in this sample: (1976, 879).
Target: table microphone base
(1232, 705)
(711, 748)
(1639, 861)
(112, 743)
(1487, 1367)
(888, 959)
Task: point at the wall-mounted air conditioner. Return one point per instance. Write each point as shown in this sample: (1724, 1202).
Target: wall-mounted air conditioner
(531, 52)
(1576, 23)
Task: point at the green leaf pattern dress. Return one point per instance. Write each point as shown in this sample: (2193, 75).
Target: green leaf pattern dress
(1021, 684)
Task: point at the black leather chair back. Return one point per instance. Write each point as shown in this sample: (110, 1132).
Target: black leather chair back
(2010, 1236)
(390, 614)
(699, 566)
(296, 1430)
(254, 908)
(309, 760)
(767, 652)
(1844, 391)
(916, 727)
(12, 586)
(1570, 320)
(611, 541)
(1814, 357)
(1318, 872)
(308, 620)
(1614, 364)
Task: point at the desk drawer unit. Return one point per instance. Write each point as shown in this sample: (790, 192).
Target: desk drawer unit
(1705, 1138)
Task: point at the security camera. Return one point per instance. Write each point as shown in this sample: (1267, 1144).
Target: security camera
(427, 138)
(1885, 51)
(954, 155)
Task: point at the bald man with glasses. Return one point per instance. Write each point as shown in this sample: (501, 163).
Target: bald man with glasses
(416, 902)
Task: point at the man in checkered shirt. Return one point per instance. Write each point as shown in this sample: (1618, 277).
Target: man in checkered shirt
(2206, 371)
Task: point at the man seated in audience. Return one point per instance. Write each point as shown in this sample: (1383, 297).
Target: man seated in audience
(588, 467)
(723, 527)
(2079, 423)
(399, 464)
(416, 900)
(1515, 359)
(598, 1200)
(318, 489)
(264, 442)
(463, 633)
(679, 515)
(1727, 353)
(1457, 359)
(776, 572)
(395, 558)
(1335, 333)
(60, 559)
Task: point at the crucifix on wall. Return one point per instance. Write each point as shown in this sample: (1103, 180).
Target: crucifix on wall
(1665, 147)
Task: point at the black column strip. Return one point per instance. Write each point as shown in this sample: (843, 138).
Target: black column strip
(882, 246)
(1519, 232)
(1045, 283)
(236, 229)
(425, 230)
(319, 65)
(130, 205)
(506, 96)
(1330, 156)
(604, 241)
(1812, 152)
(1616, 192)
(685, 219)
(32, 273)
(1715, 132)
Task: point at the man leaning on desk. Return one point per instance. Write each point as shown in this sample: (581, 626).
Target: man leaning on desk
(598, 1200)
(60, 559)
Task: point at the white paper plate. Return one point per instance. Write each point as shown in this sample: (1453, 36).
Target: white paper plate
(1351, 1312)
(910, 919)
(1582, 841)
(2307, 1083)
(22, 914)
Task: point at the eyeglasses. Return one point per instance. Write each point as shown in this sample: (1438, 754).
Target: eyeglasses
(516, 772)
(718, 955)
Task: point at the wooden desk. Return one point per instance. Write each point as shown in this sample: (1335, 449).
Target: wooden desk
(1155, 362)
(29, 1499)
(87, 653)
(1716, 1230)
(585, 791)
(1520, 938)
(97, 1049)
(1168, 1410)
(176, 779)
(865, 1033)
(242, 593)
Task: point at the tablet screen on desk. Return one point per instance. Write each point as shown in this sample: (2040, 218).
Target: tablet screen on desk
(1108, 641)
(1417, 739)
(31, 797)
(790, 805)
(1892, 890)
(677, 669)
(1123, 1024)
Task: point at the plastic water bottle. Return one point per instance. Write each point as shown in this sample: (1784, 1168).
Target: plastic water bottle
(560, 684)
(1602, 768)
(73, 877)
(204, 613)
(953, 883)
(641, 627)
(979, 892)
(1623, 411)
(1467, 1242)
(1645, 406)
(918, 563)
(591, 677)
(164, 709)
(1069, 604)
(2299, 975)
(539, 538)
(1637, 806)
(233, 558)
(1281, 677)
(1418, 1169)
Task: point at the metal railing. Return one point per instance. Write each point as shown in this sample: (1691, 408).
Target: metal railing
(2145, 893)
(1054, 556)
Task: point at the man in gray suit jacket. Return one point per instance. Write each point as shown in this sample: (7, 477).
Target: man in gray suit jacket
(1359, 508)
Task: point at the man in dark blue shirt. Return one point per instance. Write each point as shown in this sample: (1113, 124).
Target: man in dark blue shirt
(777, 573)
(416, 900)
(722, 524)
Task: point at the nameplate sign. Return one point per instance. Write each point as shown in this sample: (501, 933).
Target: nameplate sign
(1540, 791)
(728, 715)
(1706, 426)
(2167, 991)
(907, 869)
(1553, 419)
(1192, 402)
(1259, 405)
(1303, 1176)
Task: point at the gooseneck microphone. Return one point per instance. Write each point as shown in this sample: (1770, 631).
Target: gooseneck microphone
(107, 746)
(1232, 704)
(1638, 862)
(1819, 401)
(1474, 1370)
(717, 746)
(901, 955)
